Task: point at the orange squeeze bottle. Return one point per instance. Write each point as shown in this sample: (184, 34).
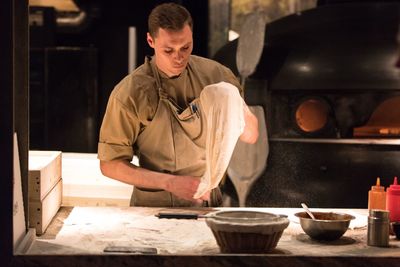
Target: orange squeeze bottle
(377, 196)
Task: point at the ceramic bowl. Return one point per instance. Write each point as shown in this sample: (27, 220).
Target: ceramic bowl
(327, 226)
(244, 231)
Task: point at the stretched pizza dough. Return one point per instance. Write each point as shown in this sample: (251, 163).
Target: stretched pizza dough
(225, 123)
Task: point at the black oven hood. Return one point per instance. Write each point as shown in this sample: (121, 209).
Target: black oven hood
(337, 46)
(351, 46)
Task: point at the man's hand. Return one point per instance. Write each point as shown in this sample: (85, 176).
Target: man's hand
(250, 133)
(185, 187)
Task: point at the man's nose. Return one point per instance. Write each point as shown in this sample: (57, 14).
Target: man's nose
(178, 56)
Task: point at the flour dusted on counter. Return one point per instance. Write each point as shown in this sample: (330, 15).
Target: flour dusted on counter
(225, 123)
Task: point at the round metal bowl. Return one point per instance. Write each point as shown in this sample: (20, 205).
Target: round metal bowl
(243, 231)
(327, 226)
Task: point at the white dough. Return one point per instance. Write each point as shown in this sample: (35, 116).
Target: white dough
(225, 123)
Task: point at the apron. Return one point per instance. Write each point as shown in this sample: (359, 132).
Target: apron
(174, 142)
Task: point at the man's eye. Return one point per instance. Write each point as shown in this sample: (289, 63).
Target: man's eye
(168, 51)
(185, 48)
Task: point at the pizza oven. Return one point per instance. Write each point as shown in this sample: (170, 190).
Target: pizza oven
(330, 87)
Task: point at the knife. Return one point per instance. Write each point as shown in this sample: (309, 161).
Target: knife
(129, 249)
(171, 215)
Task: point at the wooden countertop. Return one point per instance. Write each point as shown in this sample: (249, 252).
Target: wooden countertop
(77, 231)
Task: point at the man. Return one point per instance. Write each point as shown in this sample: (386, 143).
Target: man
(156, 112)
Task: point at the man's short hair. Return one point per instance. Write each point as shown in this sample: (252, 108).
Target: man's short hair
(169, 16)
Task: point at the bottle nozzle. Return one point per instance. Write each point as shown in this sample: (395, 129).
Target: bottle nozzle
(395, 180)
(377, 186)
(378, 181)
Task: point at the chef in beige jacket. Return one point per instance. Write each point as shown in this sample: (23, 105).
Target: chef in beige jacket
(181, 115)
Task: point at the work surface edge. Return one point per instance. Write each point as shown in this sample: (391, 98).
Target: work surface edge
(371, 257)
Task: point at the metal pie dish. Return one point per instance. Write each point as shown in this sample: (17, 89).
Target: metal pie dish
(327, 226)
(244, 231)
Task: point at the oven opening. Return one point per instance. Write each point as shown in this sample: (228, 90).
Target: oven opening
(311, 115)
(384, 121)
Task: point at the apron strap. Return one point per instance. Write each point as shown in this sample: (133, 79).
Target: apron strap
(161, 93)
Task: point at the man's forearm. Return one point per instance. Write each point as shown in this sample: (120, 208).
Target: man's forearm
(180, 185)
(126, 172)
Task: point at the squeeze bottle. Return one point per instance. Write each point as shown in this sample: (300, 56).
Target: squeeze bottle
(377, 196)
(393, 201)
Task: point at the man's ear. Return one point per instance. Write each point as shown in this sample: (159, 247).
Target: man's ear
(150, 40)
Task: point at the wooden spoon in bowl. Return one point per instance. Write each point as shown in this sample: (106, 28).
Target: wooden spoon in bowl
(308, 211)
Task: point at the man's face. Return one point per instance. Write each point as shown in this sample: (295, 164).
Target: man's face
(172, 49)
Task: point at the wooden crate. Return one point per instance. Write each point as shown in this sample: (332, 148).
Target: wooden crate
(44, 172)
(41, 212)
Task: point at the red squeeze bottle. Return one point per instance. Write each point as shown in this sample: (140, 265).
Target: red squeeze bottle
(393, 201)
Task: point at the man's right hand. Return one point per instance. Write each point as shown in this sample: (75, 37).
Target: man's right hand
(185, 187)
